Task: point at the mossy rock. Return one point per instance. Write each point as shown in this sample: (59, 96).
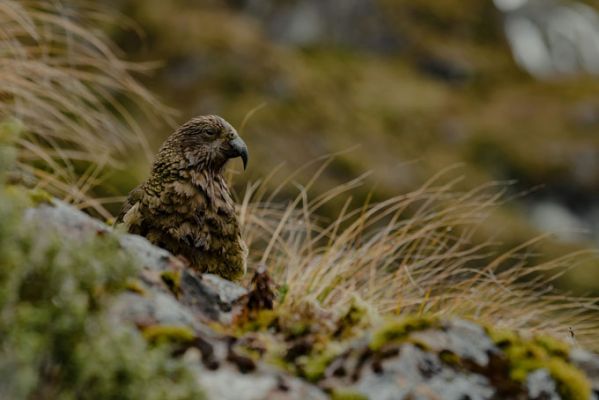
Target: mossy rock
(172, 279)
(161, 334)
(526, 355)
(396, 330)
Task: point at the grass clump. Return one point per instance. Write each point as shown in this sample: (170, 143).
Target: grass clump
(62, 79)
(417, 253)
(56, 338)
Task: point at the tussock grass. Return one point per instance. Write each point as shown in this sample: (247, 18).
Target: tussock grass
(62, 78)
(416, 253)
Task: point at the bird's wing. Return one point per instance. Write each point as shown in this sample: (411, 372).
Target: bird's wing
(130, 207)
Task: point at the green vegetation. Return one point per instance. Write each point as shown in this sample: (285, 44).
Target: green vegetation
(56, 340)
(313, 366)
(160, 334)
(341, 394)
(399, 329)
(172, 279)
(542, 352)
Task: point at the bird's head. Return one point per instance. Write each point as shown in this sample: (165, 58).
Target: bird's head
(208, 142)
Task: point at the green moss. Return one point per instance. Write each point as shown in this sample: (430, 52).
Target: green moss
(135, 286)
(160, 334)
(299, 328)
(356, 319)
(262, 320)
(571, 382)
(421, 344)
(172, 279)
(398, 330)
(347, 394)
(449, 357)
(553, 346)
(313, 366)
(542, 352)
(502, 337)
(39, 196)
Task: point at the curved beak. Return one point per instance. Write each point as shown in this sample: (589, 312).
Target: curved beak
(239, 149)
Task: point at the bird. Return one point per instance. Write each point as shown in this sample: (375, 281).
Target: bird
(185, 205)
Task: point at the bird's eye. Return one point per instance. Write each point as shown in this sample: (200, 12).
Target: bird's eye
(210, 131)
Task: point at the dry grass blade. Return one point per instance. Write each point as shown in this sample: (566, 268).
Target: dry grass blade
(414, 253)
(62, 79)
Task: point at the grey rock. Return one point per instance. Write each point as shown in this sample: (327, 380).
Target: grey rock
(203, 298)
(157, 308)
(463, 338)
(228, 384)
(227, 291)
(540, 385)
(149, 256)
(65, 220)
(397, 371)
(209, 297)
(417, 374)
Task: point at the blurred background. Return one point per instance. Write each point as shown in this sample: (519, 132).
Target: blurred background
(506, 90)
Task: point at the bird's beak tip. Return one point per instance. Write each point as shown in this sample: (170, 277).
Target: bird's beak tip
(245, 161)
(241, 150)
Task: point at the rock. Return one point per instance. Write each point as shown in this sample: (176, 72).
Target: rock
(550, 216)
(228, 384)
(541, 386)
(417, 374)
(411, 358)
(153, 308)
(227, 291)
(201, 298)
(207, 297)
(462, 338)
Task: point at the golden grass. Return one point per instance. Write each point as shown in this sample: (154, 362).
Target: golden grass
(60, 77)
(411, 254)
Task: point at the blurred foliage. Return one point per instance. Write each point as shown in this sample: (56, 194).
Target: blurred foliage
(56, 340)
(399, 107)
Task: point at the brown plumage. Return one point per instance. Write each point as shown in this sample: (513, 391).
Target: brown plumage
(185, 205)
